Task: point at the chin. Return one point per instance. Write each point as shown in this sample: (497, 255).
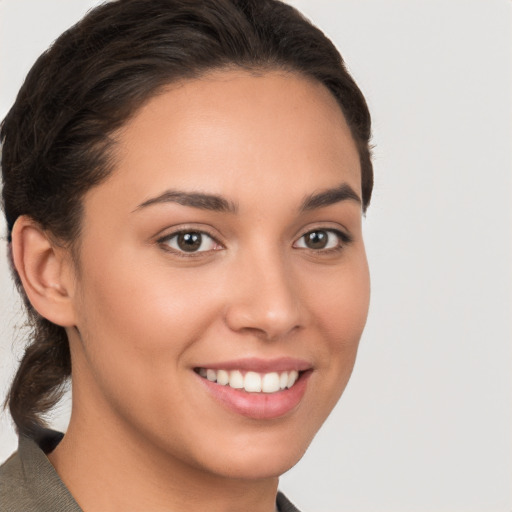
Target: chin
(269, 463)
(259, 456)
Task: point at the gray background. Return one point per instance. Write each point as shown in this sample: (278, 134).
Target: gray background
(425, 423)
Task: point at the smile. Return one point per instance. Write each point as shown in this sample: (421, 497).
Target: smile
(257, 388)
(250, 381)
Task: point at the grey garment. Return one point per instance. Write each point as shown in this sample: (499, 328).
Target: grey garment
(29, 483)
(284, 505)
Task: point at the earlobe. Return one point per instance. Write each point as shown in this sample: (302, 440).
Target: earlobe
(44, 270)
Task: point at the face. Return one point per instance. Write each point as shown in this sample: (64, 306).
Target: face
(222, 285)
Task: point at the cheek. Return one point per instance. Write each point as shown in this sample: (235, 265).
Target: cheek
(340, 302)
(138, 322)
(146, 303)
(340, 308)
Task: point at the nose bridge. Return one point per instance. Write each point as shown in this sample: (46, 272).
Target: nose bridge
(265, 298)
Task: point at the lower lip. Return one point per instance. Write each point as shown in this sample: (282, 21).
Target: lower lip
(260, 406)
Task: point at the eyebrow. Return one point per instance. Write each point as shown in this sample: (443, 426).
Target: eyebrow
(194, 199)
(218, 203)
(330, 196)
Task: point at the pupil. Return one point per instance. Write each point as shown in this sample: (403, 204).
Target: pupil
(189, 242)
(316, 239)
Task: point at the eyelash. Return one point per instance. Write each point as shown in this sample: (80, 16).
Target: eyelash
(343, 240)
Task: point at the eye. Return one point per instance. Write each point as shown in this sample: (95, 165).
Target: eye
(322, 239)
(190, 242)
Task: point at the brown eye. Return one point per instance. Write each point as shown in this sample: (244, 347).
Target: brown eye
(190, 241)
(322, 239)
(316, 239)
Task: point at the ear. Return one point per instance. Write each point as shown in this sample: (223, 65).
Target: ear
(46, 271)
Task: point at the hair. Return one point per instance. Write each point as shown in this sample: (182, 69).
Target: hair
(57, 138)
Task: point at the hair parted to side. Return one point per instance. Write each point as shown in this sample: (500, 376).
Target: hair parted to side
(57, 138)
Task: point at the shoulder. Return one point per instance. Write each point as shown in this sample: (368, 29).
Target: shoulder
(28, 481)
(14, 494)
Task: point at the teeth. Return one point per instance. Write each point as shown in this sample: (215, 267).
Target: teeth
(222, 377)
(270, 382)
(252, 382)
(283, 380)
(236, 380)
(292, 377)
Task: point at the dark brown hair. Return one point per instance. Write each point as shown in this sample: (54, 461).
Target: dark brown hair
(56, 140)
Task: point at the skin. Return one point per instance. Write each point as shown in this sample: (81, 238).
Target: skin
(140, 316)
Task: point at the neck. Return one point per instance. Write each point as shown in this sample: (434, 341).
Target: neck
(109, 471)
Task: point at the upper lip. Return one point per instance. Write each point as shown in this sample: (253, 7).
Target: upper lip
(255, 364)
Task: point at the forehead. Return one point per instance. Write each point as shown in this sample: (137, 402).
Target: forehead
(233, 133)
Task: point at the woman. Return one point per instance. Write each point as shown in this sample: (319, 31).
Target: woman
(184, 183)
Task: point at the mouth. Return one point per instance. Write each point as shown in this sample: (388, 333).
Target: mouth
(250, 381)
(257, 389)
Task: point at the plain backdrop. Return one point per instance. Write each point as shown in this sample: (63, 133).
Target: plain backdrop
(425, 423)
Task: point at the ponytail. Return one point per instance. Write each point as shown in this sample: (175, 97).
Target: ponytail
(41, 377)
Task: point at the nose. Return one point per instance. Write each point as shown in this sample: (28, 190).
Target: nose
(264, 300)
